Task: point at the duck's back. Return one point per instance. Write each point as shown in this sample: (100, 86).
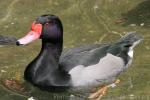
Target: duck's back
(84, 55)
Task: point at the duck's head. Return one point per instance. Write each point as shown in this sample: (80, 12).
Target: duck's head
(46, 27)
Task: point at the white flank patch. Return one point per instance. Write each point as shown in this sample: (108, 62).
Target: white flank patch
(130, 53)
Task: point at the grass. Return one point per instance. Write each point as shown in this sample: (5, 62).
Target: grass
(85, 22)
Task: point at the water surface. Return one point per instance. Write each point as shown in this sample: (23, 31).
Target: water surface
(85, 22)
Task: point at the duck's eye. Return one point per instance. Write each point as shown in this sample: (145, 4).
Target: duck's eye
(46, 25)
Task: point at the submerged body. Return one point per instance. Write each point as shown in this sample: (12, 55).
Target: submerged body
(82, 66)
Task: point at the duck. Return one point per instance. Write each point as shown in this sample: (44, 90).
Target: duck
(88, 65)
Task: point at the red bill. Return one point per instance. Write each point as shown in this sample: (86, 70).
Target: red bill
(32, 35)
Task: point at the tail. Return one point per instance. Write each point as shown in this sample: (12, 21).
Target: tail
(7, 40)
(131, 37)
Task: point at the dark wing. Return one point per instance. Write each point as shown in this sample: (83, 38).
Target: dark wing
(84, 55)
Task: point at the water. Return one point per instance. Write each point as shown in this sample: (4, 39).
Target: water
(85, 22)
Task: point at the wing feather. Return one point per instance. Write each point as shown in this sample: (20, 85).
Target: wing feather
(84, 55)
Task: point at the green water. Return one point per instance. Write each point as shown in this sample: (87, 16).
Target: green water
(85, 22)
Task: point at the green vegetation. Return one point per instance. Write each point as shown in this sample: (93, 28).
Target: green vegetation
(85, 22)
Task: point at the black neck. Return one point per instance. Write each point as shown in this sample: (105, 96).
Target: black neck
(44, 69)
(53, 48)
